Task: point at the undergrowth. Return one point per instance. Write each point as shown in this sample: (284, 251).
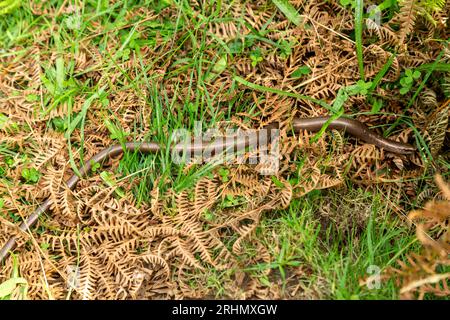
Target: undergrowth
(332, 222)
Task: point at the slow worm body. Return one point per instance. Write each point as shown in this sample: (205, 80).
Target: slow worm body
(350, 126)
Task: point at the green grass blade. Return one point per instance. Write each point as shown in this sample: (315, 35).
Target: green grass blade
(8, 5)
(289, 11)
(80, 118)
(358, 35)
(442, 67)
(425, 79)
(258, 87)
(381, 73)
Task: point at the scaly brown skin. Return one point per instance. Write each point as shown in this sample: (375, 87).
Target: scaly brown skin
(354, 128)
(350, 126)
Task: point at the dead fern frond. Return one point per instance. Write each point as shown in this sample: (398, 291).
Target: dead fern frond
(406, 18)
(421, 274)
(436, 129)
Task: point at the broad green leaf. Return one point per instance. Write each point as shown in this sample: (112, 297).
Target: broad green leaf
(301, 71)
(224, 174)
(376, 106)
(236, 46)
(218, 68)
(266, 282)
(345, 2)
(277, 182)
(111, 182)
(59, 124)
(386, 4)
(31, 175)
(48, 84)
(31, 97)
(8, 287)
(220, 65)
(404, 90)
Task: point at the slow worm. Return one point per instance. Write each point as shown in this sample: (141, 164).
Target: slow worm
(350, 126)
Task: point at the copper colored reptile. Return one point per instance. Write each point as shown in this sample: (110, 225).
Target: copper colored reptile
(350, 126)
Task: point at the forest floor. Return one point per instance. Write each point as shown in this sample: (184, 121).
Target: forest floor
(338, 219)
